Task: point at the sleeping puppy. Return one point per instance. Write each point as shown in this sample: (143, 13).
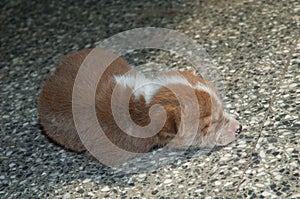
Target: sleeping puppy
(189, 111)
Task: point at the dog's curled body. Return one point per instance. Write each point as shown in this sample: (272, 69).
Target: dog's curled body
(214, 127)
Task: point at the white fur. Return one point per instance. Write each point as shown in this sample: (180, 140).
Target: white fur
(140, 84)
(148, 87)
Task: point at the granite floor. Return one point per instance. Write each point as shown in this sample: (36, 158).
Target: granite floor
(255, 45)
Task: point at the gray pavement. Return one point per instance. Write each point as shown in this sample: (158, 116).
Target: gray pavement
(255, 45)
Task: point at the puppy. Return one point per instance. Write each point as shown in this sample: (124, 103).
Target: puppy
(186, 108)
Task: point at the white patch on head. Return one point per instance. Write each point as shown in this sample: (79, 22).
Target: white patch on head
(131, 80)
(148, 87)
(139, 84)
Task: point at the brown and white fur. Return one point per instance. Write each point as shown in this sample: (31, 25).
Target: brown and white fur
(215, 127)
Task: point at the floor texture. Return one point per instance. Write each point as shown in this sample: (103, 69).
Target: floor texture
(255, 45)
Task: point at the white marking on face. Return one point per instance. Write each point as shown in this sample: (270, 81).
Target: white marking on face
(227, 133)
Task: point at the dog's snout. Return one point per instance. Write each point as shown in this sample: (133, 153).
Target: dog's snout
(239, 129)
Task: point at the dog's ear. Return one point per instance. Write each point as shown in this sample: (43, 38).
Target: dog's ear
(205, 108)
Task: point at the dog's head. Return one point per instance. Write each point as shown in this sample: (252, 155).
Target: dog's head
(223, 127)
(215, 126)
(194, 112)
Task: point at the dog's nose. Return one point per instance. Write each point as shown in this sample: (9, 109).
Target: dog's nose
(239, 129)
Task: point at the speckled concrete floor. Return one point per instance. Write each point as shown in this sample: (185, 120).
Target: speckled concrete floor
(254, 43)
